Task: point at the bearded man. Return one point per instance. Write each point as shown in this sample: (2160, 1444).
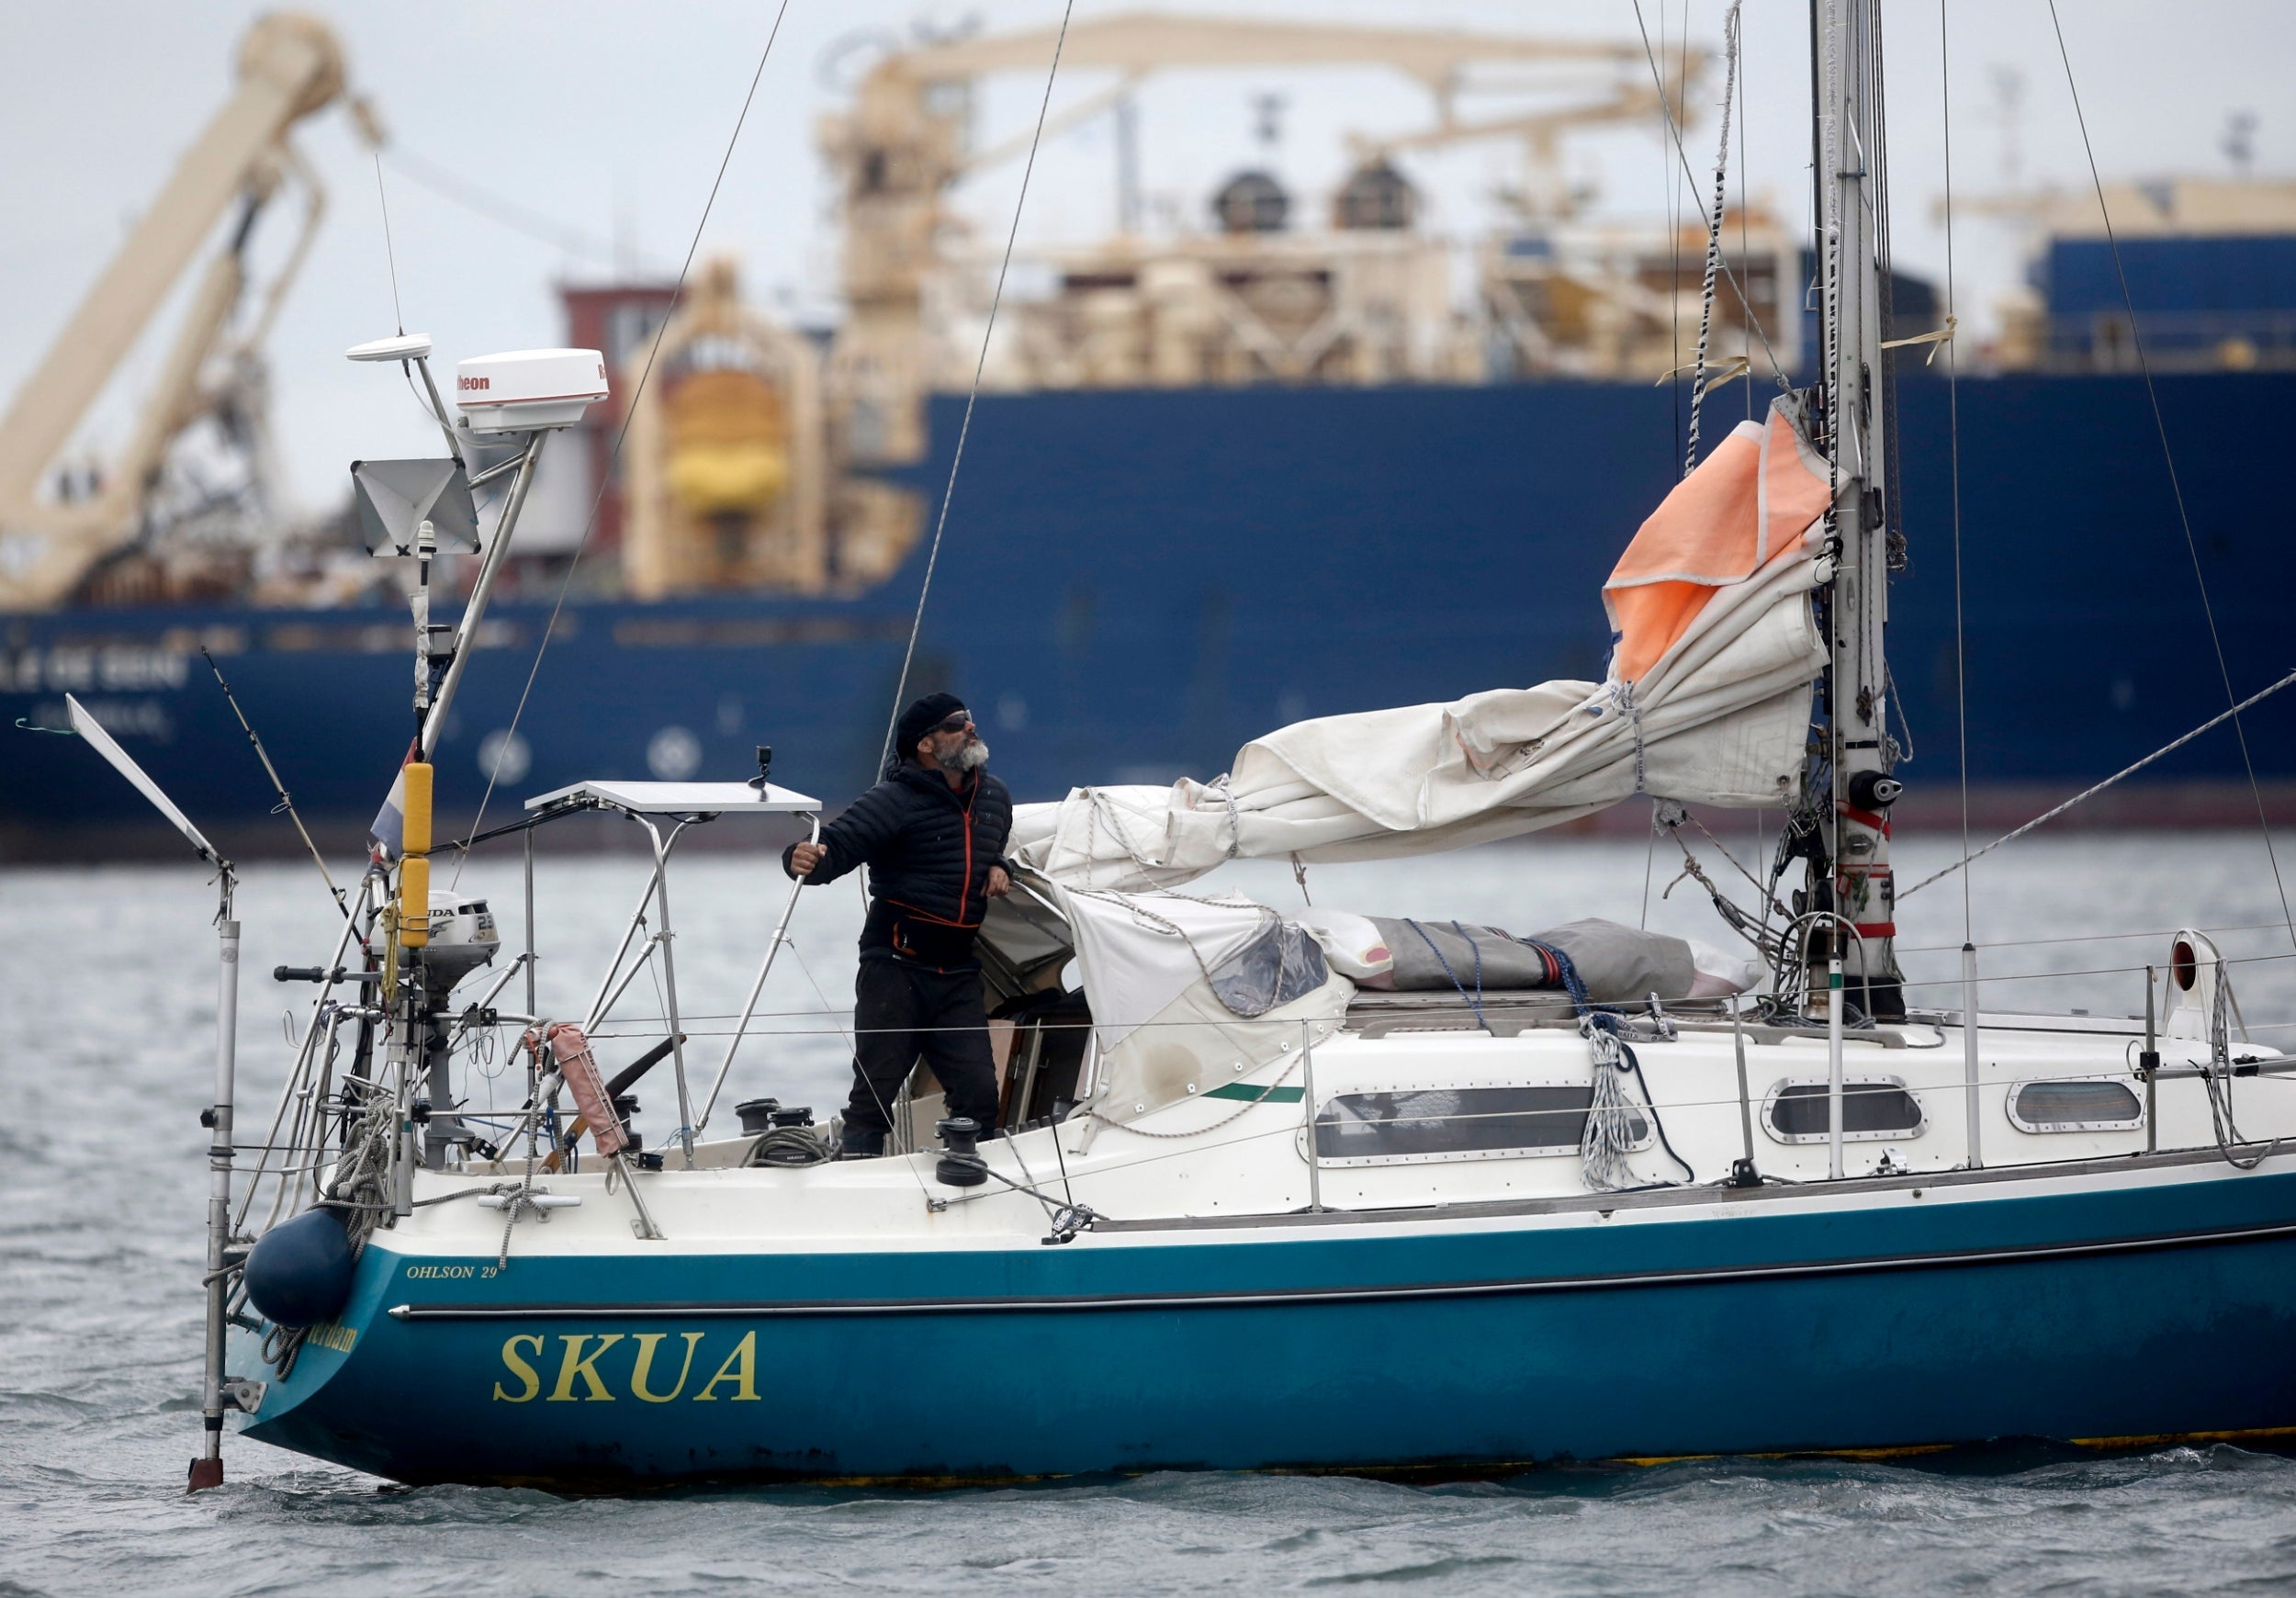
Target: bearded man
(932, 835)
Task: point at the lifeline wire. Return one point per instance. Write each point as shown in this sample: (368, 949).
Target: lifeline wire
(629, 413)
(949, 491)
(2175, 488)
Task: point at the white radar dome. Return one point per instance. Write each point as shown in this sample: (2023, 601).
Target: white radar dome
(524, 390)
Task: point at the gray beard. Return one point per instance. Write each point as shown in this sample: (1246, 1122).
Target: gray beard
(973, 756)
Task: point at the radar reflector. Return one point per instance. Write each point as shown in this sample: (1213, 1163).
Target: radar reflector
(396, 497)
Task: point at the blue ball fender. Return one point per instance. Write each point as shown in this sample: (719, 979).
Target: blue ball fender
(298, 1274)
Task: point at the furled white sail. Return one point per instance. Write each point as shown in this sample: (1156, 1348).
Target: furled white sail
(1707, 702)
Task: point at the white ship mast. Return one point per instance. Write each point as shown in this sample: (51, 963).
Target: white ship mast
(1852, 245)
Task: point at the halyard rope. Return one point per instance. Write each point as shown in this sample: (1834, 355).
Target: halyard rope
(1713, 235)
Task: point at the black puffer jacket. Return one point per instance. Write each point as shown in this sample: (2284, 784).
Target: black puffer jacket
(928, 847)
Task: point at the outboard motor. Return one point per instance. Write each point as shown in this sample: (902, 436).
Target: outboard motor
(462, 938)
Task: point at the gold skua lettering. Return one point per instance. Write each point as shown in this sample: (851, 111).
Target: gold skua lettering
(740, 1368)
(647, 1342)
(575, 1363)
(520, 1368)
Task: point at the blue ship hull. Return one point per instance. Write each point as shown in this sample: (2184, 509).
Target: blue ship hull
(1134, 584)
(2118, 1310)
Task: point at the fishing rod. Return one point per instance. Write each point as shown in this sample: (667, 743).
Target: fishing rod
(287, 803)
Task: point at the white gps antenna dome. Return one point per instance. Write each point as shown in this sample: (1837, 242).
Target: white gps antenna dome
(526, 390)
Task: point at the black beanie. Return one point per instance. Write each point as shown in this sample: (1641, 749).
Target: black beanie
(920, 719)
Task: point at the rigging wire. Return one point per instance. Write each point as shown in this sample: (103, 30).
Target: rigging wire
(2176, 487)
(1953, 414)
(2218, 719)
(948, 490)
(1744, 247)
(622, 433)
(499, 209)
(1673, 269)
(398, 313)
(1666, 104)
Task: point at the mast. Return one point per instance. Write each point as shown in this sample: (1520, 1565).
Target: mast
(1852, 253)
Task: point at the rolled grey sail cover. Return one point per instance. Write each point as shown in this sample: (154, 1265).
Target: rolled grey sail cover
(1617, 964)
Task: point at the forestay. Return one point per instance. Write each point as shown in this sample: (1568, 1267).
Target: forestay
(1707, 702)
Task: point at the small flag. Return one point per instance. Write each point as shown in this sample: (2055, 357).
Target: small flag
(389, 826)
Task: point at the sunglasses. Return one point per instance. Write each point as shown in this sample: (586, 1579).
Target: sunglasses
(956, 723)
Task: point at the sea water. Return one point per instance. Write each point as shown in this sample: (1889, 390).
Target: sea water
(106, 1008)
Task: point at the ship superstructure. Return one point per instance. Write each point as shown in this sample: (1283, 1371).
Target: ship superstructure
(1237, 391)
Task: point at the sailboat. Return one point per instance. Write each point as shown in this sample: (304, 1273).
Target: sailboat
(1302, 1189)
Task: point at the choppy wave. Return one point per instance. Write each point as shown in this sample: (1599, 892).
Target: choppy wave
(101, 1185)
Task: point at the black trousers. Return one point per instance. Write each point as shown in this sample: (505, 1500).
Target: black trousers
(903, 1011)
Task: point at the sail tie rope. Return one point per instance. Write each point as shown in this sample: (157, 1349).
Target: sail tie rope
(1474, 1000)
(1623, 691)
(1221, 785)
(1936, 339)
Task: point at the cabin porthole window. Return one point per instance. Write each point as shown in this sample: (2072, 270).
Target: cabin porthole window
(1874, 1109)
(2075, 1104)
(1417, 1126)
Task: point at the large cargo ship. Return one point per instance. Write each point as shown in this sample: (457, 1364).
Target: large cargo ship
(1220, 480)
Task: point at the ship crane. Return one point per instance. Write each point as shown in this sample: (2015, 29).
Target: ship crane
(290, 67)
(904, 145)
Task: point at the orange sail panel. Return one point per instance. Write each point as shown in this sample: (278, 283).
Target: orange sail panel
(1749, 501)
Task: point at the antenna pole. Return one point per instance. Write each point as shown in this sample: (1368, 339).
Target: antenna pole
(206, 1470)
(490, 565)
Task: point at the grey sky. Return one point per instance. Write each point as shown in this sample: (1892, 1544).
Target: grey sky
(612, 118)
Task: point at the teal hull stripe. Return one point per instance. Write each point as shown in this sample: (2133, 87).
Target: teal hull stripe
(1181, 1300)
